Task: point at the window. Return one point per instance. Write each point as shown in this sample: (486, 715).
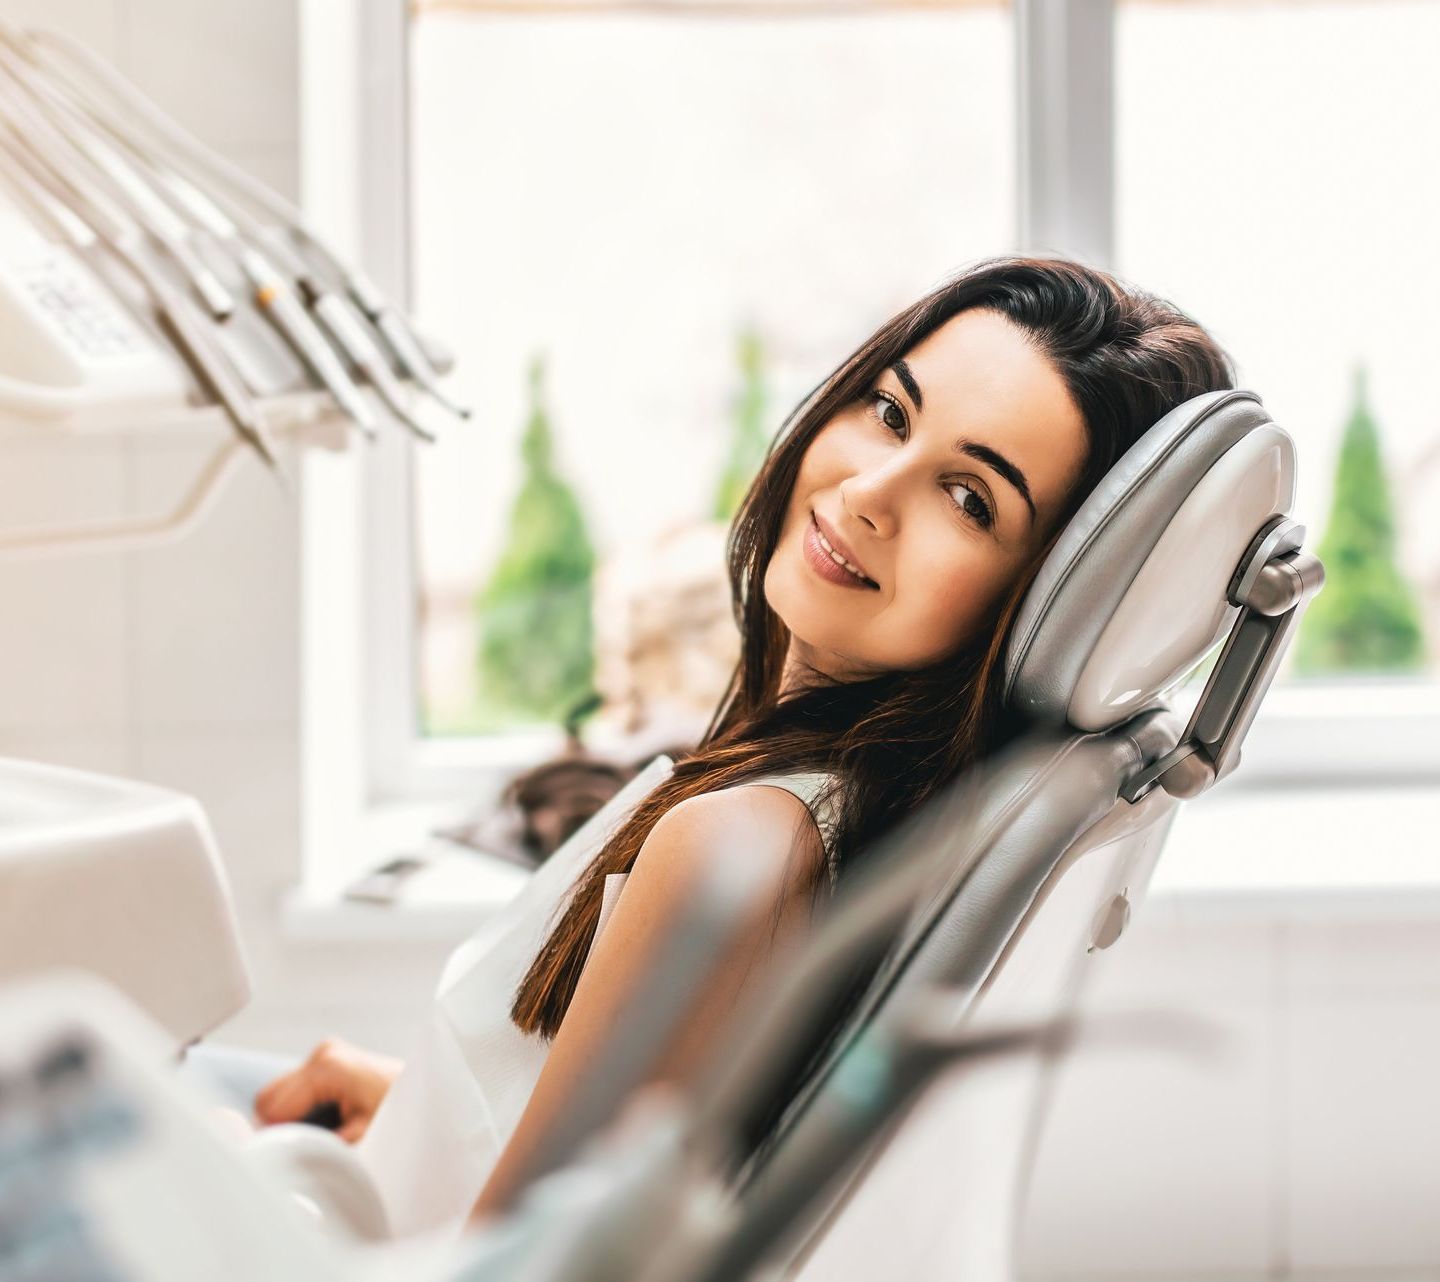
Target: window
(1267, 178)
(646, 247)
(648, 237)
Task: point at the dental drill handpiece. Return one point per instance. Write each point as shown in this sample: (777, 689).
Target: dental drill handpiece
(335, 316)
(189, 333)
(231, 226)
(124, 183)
(161, 224)
(274, 298)
(386, 317)
(54, 192)
(383, 315)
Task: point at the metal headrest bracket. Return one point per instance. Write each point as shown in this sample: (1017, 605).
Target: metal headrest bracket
(1272, 585)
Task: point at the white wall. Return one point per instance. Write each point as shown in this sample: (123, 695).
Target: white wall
(1313, 1148)
(181, 664)
(1309, 1145)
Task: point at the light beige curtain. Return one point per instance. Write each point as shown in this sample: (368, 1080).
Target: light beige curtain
(788, 8)
(700, 8)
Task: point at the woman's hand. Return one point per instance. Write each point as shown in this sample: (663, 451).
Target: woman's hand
(354, 1080)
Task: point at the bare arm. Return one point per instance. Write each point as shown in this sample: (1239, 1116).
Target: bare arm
(768, 824)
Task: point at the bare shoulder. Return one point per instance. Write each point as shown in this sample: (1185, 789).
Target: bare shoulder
(765, 823)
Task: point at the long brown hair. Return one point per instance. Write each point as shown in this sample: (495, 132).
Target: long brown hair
(892, 740)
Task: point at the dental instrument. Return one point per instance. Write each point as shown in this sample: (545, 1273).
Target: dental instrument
(173, 311)
(334, 313)
(387, 319)
(269, 291)
(116, 236)
(230, 225)
(274, 297)
(125, 186)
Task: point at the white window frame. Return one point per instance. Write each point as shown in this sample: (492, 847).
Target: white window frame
(1364, 734)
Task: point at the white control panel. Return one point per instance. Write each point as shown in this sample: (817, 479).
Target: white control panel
(70, 350)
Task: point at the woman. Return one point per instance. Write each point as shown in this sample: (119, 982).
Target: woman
(876, 566)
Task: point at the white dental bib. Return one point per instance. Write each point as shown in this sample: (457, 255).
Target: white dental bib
(444, 1123)
(449, 1114)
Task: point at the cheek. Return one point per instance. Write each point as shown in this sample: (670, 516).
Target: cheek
(837, 451)
(944, 596)
(816, 472)
(948, 609)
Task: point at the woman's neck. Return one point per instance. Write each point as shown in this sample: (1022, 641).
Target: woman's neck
(805, 668)
(798, 672)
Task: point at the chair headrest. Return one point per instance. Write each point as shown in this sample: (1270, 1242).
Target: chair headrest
(1134, 594)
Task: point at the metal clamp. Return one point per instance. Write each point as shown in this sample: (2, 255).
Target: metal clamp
(1273, 584)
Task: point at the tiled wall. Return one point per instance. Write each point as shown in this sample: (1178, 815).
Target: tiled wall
(1314, 1145)
(1308, 1143)
(180, 664)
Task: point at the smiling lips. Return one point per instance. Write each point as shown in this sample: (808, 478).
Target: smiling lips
(831, 559)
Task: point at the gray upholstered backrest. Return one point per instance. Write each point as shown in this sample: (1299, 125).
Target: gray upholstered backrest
(1132, 595)
(1131, 599)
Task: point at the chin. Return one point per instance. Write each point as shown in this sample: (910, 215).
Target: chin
(812, 621)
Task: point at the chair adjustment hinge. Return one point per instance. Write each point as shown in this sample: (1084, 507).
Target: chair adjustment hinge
(1273, 585)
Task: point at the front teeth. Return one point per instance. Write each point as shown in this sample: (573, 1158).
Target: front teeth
(836, 557)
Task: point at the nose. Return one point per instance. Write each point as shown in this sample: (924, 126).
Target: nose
(869, 496)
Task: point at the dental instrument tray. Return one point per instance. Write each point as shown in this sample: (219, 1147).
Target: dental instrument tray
(143, 277)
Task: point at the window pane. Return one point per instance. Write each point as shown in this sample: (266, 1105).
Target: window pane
(1275, 178)
(663, 231)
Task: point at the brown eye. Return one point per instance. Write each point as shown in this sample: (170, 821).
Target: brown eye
(891, 415)
(977, 510)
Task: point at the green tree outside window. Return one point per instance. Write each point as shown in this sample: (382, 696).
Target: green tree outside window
(1366, 619)
(536, 650)
(749, 438)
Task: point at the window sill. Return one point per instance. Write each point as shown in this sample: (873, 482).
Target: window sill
(454, 893)
(309, 919)
(1313, 853)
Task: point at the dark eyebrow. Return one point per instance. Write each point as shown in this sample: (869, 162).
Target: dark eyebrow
(1001, 464)
(907, 381)
(980, 453)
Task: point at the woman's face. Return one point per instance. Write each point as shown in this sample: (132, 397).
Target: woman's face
(938, 488)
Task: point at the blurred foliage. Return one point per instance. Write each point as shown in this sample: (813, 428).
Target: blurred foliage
(1366, 617)
(749, 439)
(536, 651)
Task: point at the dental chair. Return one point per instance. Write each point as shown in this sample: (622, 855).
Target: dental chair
(981, 913)
(1186, 543)
(882, 1164)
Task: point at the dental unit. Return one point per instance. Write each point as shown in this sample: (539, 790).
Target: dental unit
(52, 190)
(104, 91)
(128, 245)
(232, 228)
(52, 120)
(333, 312)
(973, 927)
(974, 922)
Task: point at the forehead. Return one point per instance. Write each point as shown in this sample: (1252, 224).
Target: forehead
(982, 378)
